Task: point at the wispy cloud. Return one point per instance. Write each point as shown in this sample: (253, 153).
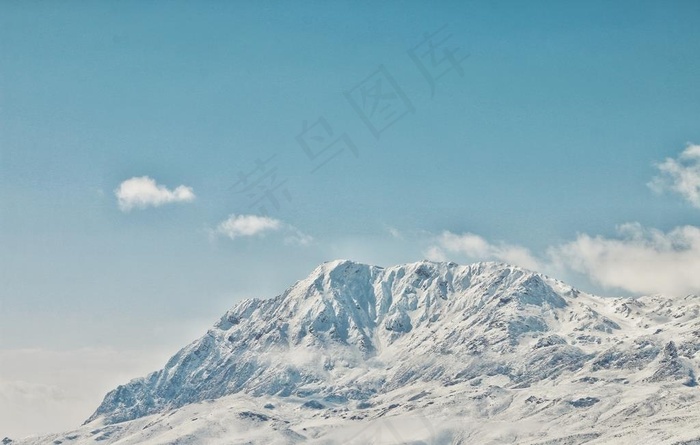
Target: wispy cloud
(394, 232)
(680, 175)
(31, 388)
(237, 226)
(142, 192)
(297, 237)
(475, 247)
(19, 390)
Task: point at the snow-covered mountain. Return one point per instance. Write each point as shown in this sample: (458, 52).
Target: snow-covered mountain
(422, 353)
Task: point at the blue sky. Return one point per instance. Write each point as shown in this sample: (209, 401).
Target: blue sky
(537, 148)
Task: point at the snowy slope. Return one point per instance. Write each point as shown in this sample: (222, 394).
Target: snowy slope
(422, 353)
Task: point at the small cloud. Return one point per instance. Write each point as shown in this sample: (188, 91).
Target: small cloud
(247, 225)
(143, 192)
(395, 233)
(680, 175)
(477, 248)
(237, 226)
(297, 237)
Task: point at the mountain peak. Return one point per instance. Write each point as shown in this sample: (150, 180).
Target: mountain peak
(352, 333)
(354, 312)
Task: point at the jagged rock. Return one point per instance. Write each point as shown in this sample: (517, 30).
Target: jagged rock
(673, 367)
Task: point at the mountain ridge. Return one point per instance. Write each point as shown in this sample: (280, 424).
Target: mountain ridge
(354, 343)
(341, 288)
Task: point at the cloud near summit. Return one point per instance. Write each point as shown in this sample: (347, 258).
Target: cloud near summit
(640, 260)
(475, 246)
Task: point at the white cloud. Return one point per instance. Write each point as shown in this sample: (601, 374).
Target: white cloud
(435, 253)
(237, 226)
(477, 248)
(143, 192)
(641, 260)
(247, 225)
(680, 175)
(297, 237)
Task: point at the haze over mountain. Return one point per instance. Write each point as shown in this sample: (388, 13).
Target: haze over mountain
(421, 353)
